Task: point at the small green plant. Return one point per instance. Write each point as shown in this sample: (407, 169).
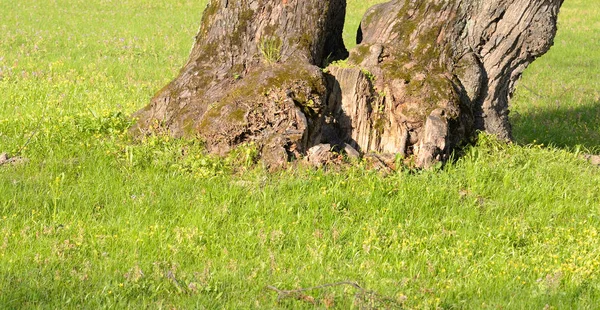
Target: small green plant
(340, 64)
(369, 75)
(113, 122)
(270, 48)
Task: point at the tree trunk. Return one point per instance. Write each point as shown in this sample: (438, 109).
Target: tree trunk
(424, 77)
(253, 76)
(439, 70)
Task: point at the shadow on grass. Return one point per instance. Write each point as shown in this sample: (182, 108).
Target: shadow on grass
(549, 122)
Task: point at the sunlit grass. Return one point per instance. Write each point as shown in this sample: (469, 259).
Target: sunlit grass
(558, 100)
(355, 10)
(96, 220)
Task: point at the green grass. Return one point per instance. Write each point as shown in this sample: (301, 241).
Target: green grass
(94, 220)
(354, 12)
(558, 101)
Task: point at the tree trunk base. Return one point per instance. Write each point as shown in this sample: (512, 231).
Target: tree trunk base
(424, 77)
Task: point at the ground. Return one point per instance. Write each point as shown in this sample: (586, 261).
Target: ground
(93, 219)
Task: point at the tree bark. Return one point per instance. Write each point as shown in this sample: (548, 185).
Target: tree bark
(439, 71)
(424, 77)
(253, 76)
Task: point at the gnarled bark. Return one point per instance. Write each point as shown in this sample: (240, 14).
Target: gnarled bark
(424, 77)
(440, 70)
(253, 75)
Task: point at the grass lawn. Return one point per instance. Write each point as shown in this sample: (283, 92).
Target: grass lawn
(94, 220)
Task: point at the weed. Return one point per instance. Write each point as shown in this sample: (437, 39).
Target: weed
(270, 48)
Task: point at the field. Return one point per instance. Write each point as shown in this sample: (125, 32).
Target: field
(93, 219)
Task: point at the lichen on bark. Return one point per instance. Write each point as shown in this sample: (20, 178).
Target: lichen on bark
(424, 76)
(436, 71)
(253, 75)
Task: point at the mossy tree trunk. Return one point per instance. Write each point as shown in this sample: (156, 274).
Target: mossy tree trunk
(254, 76)
(440, 70)
(424, 77)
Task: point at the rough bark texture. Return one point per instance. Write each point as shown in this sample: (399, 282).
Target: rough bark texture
(253, 76)
(440, 70)
(425, 75)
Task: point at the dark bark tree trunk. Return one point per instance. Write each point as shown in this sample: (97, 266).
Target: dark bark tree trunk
(253, 76)
(424, 77)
